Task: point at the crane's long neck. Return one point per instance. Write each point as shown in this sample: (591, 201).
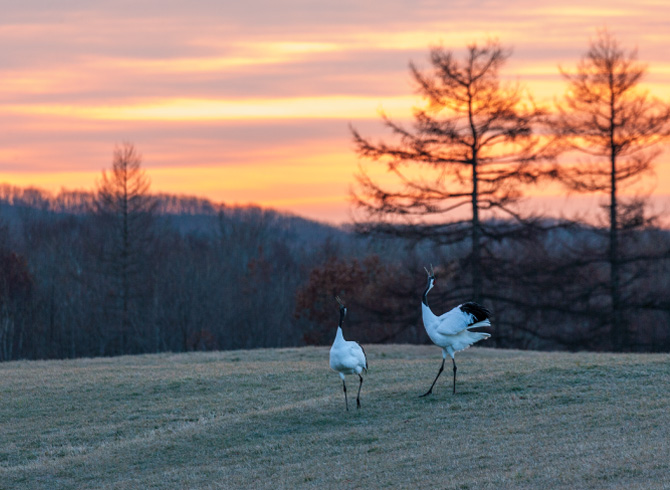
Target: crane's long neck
(426, 312)
(339, 336)
(425, 293)
(429, 318)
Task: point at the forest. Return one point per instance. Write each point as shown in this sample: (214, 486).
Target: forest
(120, 270)
(203, 276)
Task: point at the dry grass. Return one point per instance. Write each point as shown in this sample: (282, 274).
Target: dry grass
(276, 419)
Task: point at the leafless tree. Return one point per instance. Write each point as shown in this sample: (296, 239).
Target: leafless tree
(126, 211)
(606, 117)
(470, 150)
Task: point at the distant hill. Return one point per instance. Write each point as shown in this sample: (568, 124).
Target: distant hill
(186, 213)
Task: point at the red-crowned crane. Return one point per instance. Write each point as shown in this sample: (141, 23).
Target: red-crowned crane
(347, 357)
(451, 331)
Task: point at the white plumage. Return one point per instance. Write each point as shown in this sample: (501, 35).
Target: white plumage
(347, 357)
(451, 330)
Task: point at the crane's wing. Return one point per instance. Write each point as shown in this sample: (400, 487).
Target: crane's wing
(357, 354)
(452, 322)
(462, 317)
(365, 357)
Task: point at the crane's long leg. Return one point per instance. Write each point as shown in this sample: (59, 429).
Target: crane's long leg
(346, 403)
(454, 361)
(438, 375)
(358, 397)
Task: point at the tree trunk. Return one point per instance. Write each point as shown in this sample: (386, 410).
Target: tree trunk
(618, 334)
(476, 250)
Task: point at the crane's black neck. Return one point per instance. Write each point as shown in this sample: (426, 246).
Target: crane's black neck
(425, 293)
(342, 313)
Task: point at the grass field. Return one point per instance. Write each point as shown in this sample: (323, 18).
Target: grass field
(276, 419)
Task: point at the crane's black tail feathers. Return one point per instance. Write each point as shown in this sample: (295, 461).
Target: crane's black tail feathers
(364, 355)
(476, 310)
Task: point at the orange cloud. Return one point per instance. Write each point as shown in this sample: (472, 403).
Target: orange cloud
(208, 95)
(186, 109)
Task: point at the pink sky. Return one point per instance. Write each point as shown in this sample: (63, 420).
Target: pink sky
(250, 102)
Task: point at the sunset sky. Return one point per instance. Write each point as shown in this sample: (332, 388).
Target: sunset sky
(251, 101)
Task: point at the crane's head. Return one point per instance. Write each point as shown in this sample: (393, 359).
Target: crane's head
(431, 276)
(343, 309)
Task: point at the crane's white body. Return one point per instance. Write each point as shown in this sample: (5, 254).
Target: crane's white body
(451, 330)
(346, 356)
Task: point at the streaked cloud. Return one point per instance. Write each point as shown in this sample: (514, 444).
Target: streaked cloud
(323, 107)
(250, 101)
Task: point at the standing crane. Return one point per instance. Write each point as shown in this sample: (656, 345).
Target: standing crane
(451, 330)
(347, 357)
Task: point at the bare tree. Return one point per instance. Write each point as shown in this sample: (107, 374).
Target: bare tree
(618, 127)
(127, 212)
(470, 150)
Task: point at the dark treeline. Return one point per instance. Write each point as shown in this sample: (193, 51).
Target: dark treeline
(216, 277)
(205, 276)
(548, 292)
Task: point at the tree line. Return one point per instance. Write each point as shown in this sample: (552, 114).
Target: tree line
(123, 271)
(123, 277)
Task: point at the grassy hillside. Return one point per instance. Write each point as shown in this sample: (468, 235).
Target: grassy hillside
(276, 419)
